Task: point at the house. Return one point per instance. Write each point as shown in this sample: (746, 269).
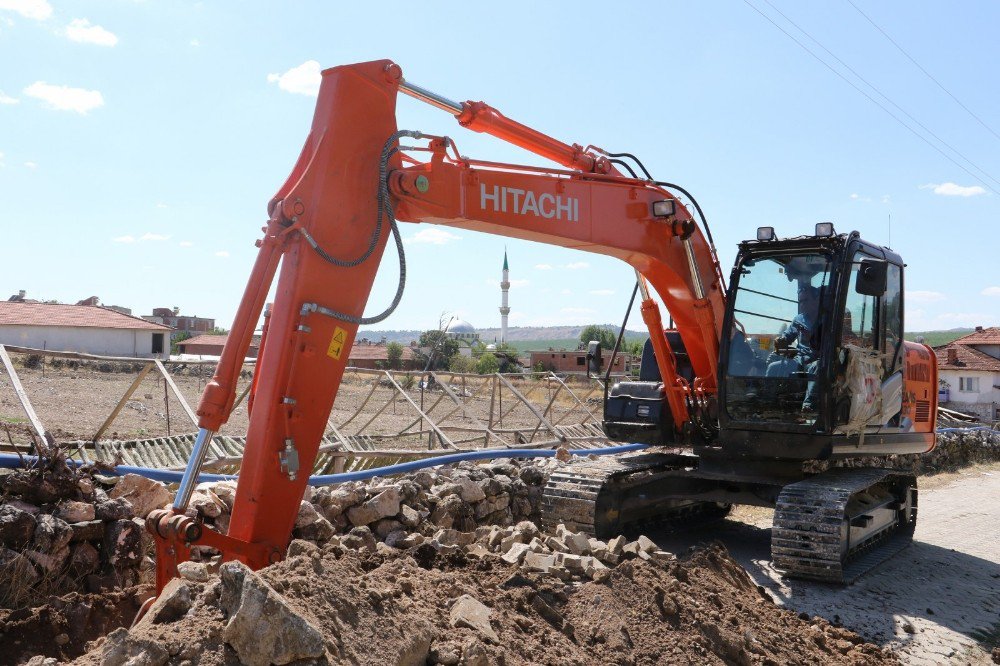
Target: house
(575, 361)
(969, 368)
(90, 329)
(374, 355)
(180, 323)
(212, 345)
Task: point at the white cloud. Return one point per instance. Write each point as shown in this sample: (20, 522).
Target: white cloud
(302, 80)
(991, 291)
(855, 196)
(885, 198)
(196, 43)
(577, 266)
(150, 236)
(432, 237)
(38, 10)
(858, 197)
(917, 296)
(186, 244)
(1, 160)
(4, 99)
(578, 311)
(222, 253)
(160, 204)
(81, 30)
(602, 292)
(64, 98)
(566, 292)
(543, 267)
(31, 165)
(124, 239)
(953, 190)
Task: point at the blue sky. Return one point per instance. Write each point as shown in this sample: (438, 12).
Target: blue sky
(141, 141)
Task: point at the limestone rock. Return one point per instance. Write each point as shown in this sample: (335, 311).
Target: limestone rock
(83, 559)
(174, 601)
(383, 505)
(469, 490)
(123, 543)
(51, 534)
(16, 526)
(76, 512)
(307, 514)
(120, 649)
(113, 509)
(516, 553)
(90, 530)
(472, 613)
(193, 571)
(262, 628)
(143, 494)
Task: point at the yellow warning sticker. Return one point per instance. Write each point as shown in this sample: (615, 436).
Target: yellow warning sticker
(336, 343)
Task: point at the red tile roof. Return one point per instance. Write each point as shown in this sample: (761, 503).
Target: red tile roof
(968, 358)
(987, 336)
(14, 313)
(377, 352)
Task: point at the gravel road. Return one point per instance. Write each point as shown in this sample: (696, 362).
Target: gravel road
(936, 602)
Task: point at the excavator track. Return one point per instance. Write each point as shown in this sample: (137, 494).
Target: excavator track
(837, 525)
(609, 496)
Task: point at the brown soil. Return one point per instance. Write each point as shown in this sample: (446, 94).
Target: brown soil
(62, 627)
(704, 610)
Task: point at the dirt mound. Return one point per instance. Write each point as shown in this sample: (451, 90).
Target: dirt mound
(340, 606)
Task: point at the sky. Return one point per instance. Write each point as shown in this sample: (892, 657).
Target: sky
(140, 141)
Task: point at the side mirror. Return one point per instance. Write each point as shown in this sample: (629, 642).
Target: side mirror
(872, 277)
(594, 360)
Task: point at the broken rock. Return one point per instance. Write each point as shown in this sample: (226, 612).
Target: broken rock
(472, 613)
(76, 512)
(262, 628)
(143, 494)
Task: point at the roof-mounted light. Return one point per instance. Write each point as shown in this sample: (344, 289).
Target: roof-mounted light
(665, 208)
(824, 229)
(765, 233)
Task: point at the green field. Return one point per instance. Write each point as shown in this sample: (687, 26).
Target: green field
(938, 338)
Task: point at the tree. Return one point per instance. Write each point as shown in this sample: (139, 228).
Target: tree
(176, 338)
(601, 334)
(394, 355)
(459, 363)
(439, 346)
(487, 364)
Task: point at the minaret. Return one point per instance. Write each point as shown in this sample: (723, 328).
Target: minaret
(504, 308)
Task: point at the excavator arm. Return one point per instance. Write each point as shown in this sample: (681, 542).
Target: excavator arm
(329, 224)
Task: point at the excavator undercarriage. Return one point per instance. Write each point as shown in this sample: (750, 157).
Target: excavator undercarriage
(831, 527)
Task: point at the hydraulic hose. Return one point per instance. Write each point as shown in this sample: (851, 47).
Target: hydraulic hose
(14, 461)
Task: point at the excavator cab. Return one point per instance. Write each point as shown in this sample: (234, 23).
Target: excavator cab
(812, 357)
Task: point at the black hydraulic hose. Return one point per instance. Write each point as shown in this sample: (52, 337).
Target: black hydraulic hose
(384, 209)
(701, 214)
(625, 166)
(618, 342)
(634, 159)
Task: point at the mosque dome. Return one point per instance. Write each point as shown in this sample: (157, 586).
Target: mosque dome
(462, 330)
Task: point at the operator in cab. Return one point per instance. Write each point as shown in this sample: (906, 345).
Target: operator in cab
(805, 332)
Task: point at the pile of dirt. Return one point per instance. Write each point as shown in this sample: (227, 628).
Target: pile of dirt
(335, 605)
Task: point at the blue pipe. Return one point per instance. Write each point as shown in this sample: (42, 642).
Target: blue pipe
(13, 461)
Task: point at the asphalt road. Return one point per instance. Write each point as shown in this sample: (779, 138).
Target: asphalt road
(938, 601)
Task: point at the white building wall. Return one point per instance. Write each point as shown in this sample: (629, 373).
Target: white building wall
(984, 403)
(88, 340)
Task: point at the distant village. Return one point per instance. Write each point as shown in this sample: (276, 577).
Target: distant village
(969, 367)
(114, 331)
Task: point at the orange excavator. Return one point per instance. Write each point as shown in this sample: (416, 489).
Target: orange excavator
(800, 359)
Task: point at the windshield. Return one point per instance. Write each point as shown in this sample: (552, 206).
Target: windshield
(775, 341)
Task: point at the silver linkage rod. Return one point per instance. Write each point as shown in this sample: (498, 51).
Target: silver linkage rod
(193, 469)
(431, 98)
